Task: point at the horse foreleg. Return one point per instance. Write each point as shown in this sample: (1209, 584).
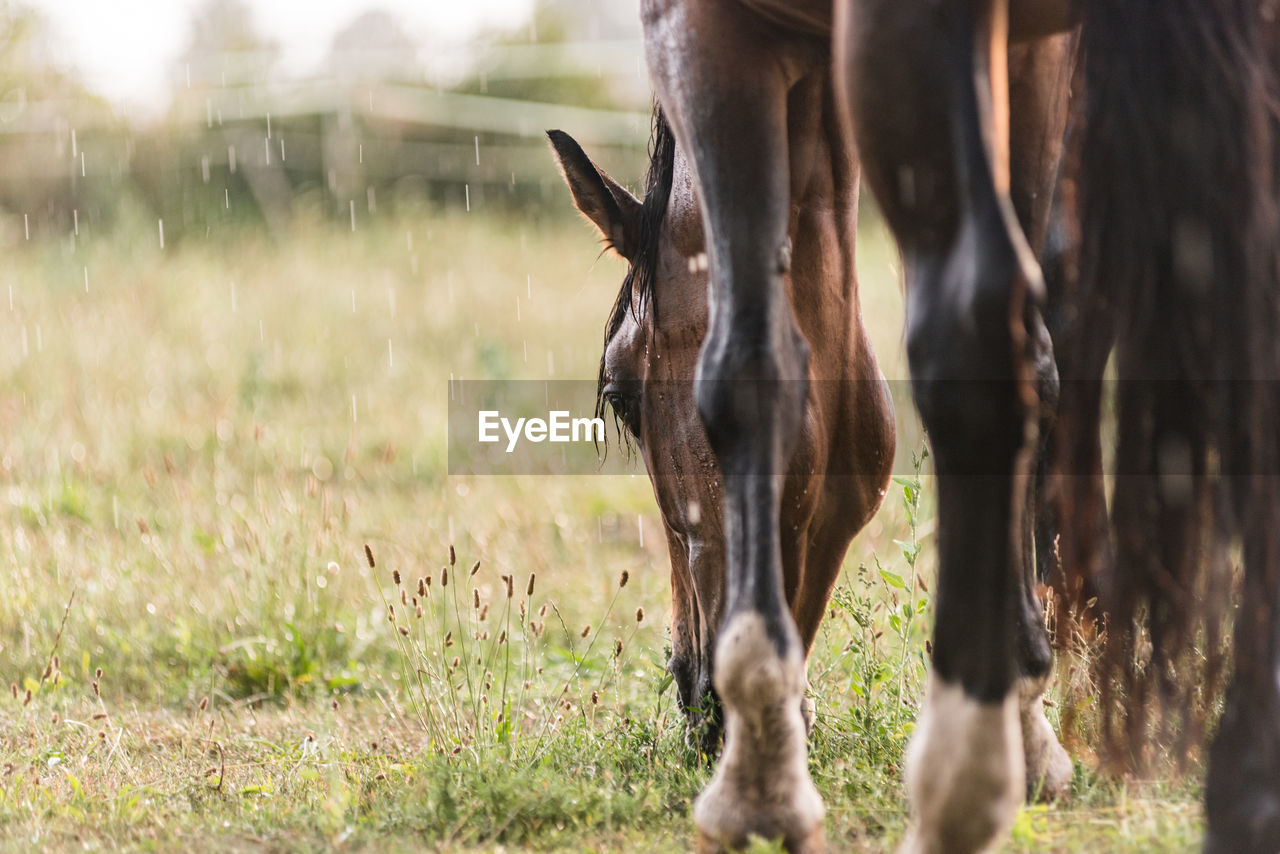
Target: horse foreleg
(723, 81)
(928, 99)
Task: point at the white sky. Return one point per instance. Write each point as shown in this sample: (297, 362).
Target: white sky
(125, 48)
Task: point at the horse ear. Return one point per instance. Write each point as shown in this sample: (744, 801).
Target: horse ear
(603, 200)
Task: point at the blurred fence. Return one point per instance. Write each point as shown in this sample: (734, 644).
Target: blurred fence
(348, 146)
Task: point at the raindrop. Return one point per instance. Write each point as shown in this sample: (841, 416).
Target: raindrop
(26, 226)
(231, 156)
(226, 198)
(282, 149)
(528, 285)
(266, 150)
(391, 362)
(353, 409)
(467, 189)
(525, 345)
(75, 221)
(86, 279)
(477, 150)
(82, 174)
(268, 126)
(204, 169)
(373, 202)
(640, 528)
(161, 222)
(73, 143)
(360, 151)
(353, 214)
(517, 308)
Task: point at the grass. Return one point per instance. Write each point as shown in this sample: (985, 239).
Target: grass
(195, 451)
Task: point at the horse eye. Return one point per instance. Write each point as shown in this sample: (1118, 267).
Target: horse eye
(625, 407)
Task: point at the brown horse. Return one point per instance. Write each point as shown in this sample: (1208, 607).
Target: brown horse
(835, 477)
(1178, 227)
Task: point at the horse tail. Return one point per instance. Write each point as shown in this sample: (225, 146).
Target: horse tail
(1179, 226)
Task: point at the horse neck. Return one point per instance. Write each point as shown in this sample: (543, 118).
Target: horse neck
(824, 286)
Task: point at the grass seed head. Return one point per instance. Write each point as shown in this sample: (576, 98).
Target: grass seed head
(595, 698)
(422, 588)
(448, 639)
(617, 647)
(444, 576)
(13, 689)
(475, 567)
(27, 699)
(623, 579)
(97, 674)
(404, 630)
(528, 591)
(475, 599)
(639, 615)
(395, 576)
(510, 580)
(586, 630)
(453, 556)
(204, 703)
(368, 555)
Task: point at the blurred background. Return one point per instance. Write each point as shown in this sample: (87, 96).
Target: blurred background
(210, 113)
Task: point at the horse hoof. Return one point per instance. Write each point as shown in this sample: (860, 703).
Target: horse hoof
(1048, 765)
(814, 843)
(761, 787)
(808, 713)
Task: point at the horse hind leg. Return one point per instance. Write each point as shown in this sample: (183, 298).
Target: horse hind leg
(723, 82)
(932, 132)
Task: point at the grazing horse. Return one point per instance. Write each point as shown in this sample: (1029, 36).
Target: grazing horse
(1178, 262)
(835, 478)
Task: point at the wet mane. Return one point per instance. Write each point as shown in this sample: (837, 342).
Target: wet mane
(637, 289)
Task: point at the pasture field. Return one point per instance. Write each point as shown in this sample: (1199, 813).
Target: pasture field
(198, 441)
